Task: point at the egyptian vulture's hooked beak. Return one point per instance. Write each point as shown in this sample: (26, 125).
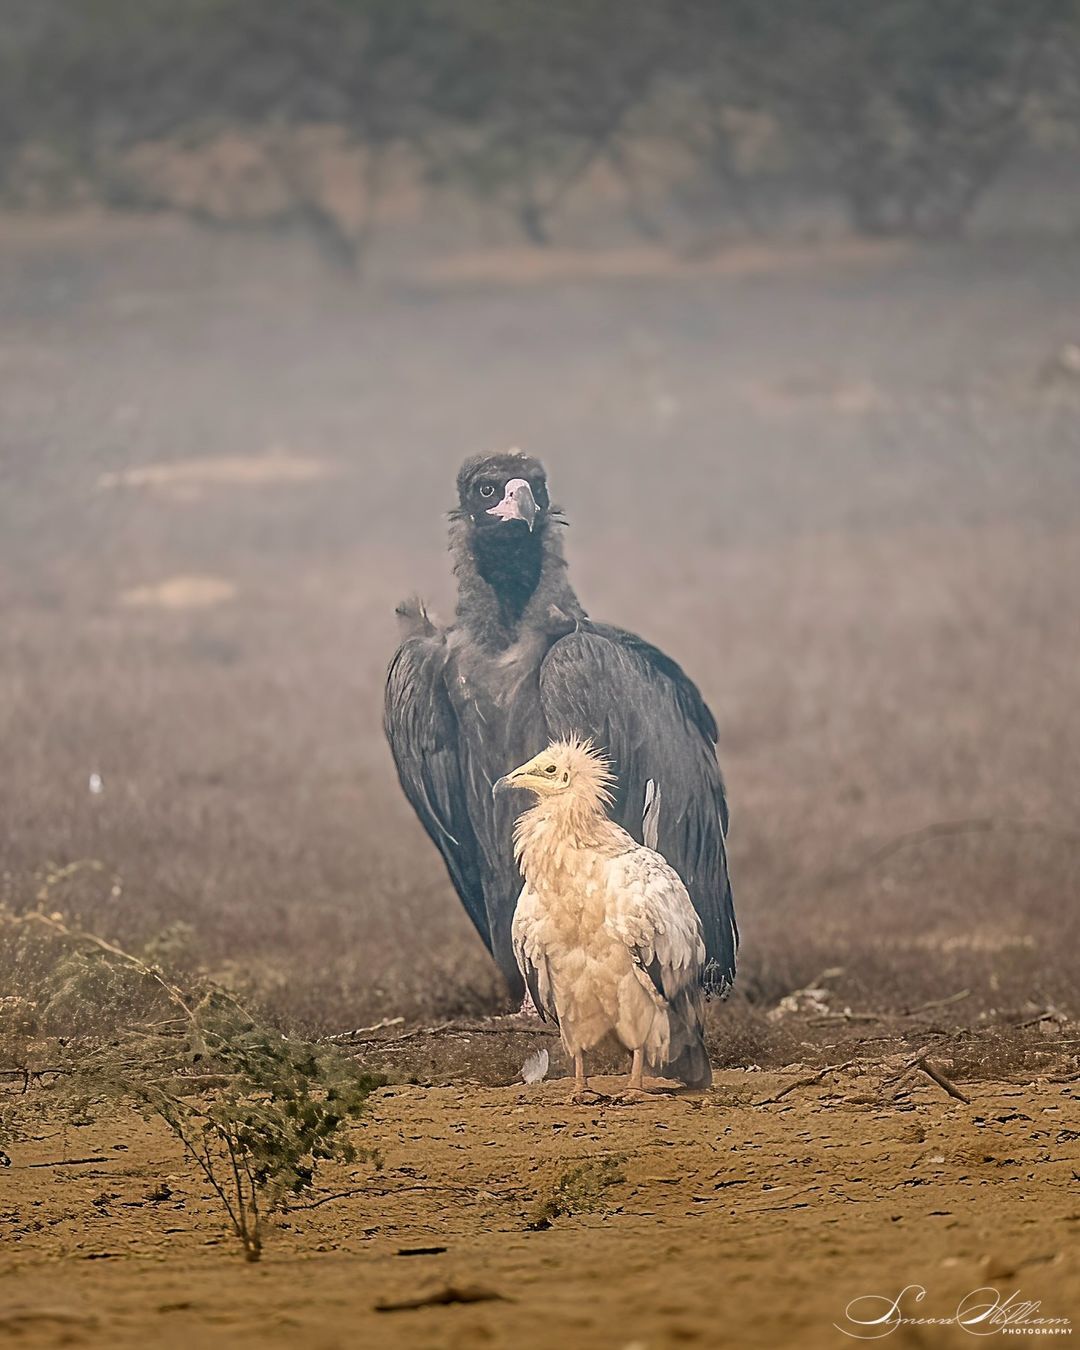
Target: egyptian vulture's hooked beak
(518, 503)
(516, 778)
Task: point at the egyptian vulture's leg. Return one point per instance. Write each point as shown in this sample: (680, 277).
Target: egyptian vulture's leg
(637, 1071)
(635, 1084)
(581, 1083)
(583, 1094)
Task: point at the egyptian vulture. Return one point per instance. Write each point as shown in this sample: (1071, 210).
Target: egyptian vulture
(604, 933)
(522, 665)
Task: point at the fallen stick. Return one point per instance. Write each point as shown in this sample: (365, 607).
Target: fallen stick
(942, 1081)
(455, 1029)
(71, 1162)
(909, 1064)
(360, 1031)
(938, 1003)
(1047, 1015)
(452, 1293)
(531, 1030)
(378, 1190)
(806, 1082)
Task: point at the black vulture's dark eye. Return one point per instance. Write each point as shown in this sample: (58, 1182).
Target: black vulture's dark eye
(487, 489)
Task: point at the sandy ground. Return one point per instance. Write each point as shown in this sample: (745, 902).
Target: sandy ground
(841, 485)
(835, 482)
(733, 1224)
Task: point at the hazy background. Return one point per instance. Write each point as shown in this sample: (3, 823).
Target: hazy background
(785, 297)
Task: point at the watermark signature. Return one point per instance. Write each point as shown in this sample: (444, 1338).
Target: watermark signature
(983, 1312)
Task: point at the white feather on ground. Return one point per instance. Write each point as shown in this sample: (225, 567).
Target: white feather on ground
(535, 1068)
(604, 933)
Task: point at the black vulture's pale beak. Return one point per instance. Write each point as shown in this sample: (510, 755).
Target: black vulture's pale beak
(518, 503)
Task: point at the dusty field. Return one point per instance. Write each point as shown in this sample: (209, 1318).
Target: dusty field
(842, 492)
(724, 1223)
(841, 485)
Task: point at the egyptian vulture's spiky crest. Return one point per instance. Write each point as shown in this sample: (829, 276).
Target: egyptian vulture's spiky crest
(604, 932)
(574, 781)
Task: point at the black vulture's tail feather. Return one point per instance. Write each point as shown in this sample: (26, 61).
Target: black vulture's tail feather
(688, 1060)
(691, 1065)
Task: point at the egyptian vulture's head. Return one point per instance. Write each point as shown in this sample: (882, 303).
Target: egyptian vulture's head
(504, 494)
(572, 769)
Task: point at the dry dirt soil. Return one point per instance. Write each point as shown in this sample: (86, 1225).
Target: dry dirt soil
(840, 484)
(698, 1221)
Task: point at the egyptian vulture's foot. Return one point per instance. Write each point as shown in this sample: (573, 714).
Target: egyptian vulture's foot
(635, 1084)
(587, 1096)
(634, 1096)
(583, 1094)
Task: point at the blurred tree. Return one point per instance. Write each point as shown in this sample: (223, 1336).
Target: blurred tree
(97, 77)
(364, 67)
(906, 109)
(536, 93)
(909, 109)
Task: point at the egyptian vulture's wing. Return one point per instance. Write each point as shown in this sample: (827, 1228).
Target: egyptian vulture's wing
(424, 740)
(639, 706)
(530, 952)
(652, 914)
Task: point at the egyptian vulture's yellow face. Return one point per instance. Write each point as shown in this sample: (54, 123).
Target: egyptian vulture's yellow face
(546, 774)
(572, 766)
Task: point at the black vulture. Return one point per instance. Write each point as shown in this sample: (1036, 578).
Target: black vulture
(521, 665)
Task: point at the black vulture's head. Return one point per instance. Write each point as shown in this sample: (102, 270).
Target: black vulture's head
(503, 496)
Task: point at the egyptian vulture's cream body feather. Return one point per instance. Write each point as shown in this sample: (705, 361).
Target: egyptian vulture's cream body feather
(604, 931)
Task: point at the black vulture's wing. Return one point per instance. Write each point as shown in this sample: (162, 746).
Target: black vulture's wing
(639, 706)
(424, 740)
(529, 952)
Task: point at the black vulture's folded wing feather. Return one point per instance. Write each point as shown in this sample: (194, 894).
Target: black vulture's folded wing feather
(424, 740)
(642, 709)
(531, 956)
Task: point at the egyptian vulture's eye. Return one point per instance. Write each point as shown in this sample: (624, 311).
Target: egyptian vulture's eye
(487, 489)
(550, 769)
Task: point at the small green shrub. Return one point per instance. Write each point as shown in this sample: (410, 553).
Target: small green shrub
(578, 1189)
(255, 1111)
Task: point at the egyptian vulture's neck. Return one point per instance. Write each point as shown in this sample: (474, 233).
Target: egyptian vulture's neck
(509, 582)
(550, 838)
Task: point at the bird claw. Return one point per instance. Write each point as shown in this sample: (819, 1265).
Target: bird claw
(632, 1095)
(587, 1097)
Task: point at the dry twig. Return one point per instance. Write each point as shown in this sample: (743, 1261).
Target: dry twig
(939, 1003)
(378, 1190)
(806, 1082)
(918, 1062)
(942, 1082)
(452, 1029)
